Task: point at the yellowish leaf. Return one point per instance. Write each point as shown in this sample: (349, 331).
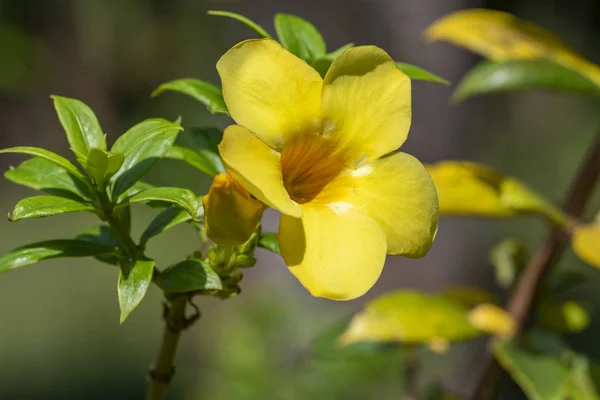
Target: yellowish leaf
(410, 317)
(493, 319)
(468, 188)
(468, 296)
(586, 243)
(501, 36)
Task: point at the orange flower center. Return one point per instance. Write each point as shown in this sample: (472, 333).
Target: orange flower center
(309, 165)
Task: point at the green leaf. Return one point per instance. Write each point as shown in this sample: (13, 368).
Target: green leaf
(180, 197)
(46, 206)
(260, 31)
(205, 92)
(103, 235)
(143, 146)
(188, 276)
(564, 317)
(544, 376)
(492, 77)
(35, 252)
(134, 281)
(299, 37)
(81, 126)
(409, 316)
(194, 159)
(268, 240)
(508, 258)
(43, 175)
(323, 63)
(47, 155)
(164, 221)
(101, 166)
(206, 141)
(419, 74)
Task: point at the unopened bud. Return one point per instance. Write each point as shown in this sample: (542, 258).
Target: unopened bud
(230, 213)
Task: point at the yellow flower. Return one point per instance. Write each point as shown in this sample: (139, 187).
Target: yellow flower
(320, 151)
(230, 213)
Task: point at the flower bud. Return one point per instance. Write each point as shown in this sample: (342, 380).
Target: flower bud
(230, 213)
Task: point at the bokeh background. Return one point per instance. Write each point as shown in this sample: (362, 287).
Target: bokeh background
(60, 336)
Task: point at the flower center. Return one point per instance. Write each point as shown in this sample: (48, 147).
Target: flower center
(309, 164)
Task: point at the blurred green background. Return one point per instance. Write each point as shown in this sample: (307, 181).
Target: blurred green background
(59, 331)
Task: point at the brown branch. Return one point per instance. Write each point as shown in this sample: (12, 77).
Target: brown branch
(521, 302)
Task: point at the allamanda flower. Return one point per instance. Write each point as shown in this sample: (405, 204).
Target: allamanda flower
(321, 151)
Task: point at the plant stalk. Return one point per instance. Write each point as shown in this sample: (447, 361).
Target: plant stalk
(161, 372)
(521, 303)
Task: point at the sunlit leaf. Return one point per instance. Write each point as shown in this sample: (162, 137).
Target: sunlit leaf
(46, 206)
(493, 77)
(184, 198)
(508, 257)
(47, 155)
(206, 141)
(43, 175)
(192, 158)
(492, 319)
(468, 188)
(81, 126)
(260, 31)
(188, 276)
(164, 221)
(205, 92)
(35, 252)
(501, 36)
(419, 74)
(268, 240)
(299, 37)
(586, 243)
(410, 317)
(101, 166)
(134, 280)
(143, 146)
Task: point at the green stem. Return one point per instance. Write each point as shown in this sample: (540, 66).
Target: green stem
(162, 371)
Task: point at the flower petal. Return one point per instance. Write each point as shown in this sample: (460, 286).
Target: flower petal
(257, 167)
(335, 252)
(270, 91)
(366, 102)
(398, 193)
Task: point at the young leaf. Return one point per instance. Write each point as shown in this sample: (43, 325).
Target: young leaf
(134, 279)
(268, 240)
(194, 159)
(103, 235)
(565, 317)
(35, 252)
(188, 276)
(260, 31)
(500, 36)
(419, 74)
(503, 76)
(47, 155)
(300, 37)
(143, 146)
(43, 175)
(164, 221)
(101, 166)
(206, 93)
(46, 206)
(81, 126)
(410, 317)
(183, 198)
